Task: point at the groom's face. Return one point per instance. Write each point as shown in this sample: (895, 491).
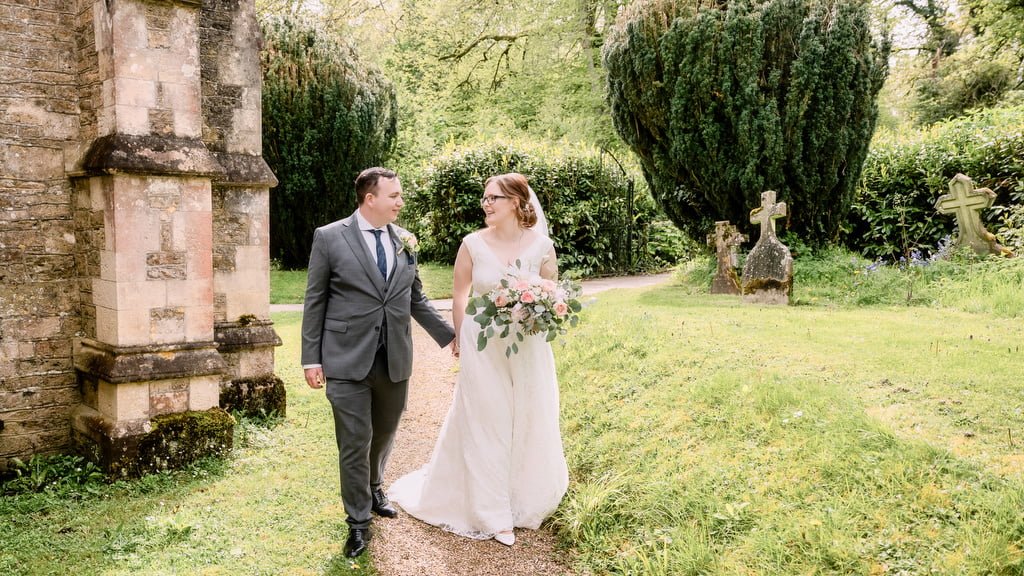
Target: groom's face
(384, 205)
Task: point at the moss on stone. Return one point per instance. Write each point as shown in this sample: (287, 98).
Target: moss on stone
(177, 440)
(259, 396)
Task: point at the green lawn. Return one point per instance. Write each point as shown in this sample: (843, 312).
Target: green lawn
(710, 437)
(289, 286)
(271, 509)
(704, 436)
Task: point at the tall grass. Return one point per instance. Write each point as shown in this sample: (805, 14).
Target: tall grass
(709, 437)
(838, 277)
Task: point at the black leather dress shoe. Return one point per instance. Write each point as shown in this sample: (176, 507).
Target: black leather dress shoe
(381, 505)
(358, 539)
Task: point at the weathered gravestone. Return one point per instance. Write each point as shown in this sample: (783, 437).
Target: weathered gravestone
(725, 240)
(768, 270)
(967, 202)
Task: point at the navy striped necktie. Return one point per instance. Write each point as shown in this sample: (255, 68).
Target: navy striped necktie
(382, 258)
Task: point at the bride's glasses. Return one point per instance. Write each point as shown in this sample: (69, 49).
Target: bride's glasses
(491, 199)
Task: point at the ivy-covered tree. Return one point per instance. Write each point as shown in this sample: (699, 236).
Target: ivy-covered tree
(326, 117)
(724, 99)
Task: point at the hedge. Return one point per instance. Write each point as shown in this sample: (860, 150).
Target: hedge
(894, 211)
(600, 222)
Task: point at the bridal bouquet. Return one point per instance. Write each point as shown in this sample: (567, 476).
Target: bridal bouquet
(527, 306)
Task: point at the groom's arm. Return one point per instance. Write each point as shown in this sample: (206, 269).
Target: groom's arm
(427, 316)
(315, 304)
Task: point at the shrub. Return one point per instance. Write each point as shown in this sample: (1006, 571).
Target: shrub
(586, 198)
(725, 100)
(894, 211)
(326, 117)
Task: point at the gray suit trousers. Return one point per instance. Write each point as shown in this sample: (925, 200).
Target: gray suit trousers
(366, 415)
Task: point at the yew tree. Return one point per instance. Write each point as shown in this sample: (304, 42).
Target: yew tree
(722, 100)
(326, 117)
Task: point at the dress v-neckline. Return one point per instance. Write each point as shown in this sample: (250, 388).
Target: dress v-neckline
(494, 254)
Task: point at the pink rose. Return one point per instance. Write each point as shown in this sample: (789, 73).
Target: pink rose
(501, 300)
(561, 308)
(548, 285)
(522, 285)
(527, 297)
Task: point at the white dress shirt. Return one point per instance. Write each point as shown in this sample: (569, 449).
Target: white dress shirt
(371, 242)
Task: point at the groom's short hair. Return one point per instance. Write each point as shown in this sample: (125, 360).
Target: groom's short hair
(366, 182)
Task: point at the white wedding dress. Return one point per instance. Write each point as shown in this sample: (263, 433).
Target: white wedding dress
(498, 462)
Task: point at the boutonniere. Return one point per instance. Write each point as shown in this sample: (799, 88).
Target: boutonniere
(408, 244)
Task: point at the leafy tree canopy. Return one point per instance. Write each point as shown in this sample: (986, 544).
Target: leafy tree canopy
(466, 70)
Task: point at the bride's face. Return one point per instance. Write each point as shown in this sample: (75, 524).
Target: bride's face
(497, 205)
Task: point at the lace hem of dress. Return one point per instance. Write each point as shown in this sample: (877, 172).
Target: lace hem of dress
(471, 534)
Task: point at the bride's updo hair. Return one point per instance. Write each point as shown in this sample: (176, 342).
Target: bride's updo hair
(515, 186)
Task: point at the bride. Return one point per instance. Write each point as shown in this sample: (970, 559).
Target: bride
(498, 462)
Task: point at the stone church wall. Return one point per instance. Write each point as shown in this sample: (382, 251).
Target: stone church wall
(40, 124)
(134, 220)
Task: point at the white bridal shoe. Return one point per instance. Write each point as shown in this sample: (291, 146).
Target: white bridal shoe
(506, 538)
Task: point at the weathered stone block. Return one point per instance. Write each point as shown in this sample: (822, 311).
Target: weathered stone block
(167, 324)
(35, 420)
(31, 162)
(204, 392)
(133, 448)
(166, 272)
(259, 396)
(168, 402)
(180, 439)
(199, 323)
(223, 259)
(187, 123)
(131, 120)
(124, 401)
(35, 396)
(147, 363)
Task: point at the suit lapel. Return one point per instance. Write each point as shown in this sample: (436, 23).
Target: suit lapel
(400, 258)
(354, 236)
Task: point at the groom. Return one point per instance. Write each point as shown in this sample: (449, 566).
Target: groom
(362, 291)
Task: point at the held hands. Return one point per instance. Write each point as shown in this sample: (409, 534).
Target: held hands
(454, 347)
(315, 377)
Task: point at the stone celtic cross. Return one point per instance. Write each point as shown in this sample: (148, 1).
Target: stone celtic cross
(767, 214)
(966, 203)
(768, 270)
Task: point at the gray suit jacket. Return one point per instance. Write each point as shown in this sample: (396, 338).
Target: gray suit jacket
(347, 301)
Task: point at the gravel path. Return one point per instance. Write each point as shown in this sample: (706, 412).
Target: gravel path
(405, 546)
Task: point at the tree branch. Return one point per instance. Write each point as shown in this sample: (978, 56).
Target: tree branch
(494, 38)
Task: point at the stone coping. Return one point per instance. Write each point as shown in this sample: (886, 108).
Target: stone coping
(235, 336)
(119, 364)
(150, 154)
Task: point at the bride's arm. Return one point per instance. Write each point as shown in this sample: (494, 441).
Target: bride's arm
(462, 285)
(549, 268)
